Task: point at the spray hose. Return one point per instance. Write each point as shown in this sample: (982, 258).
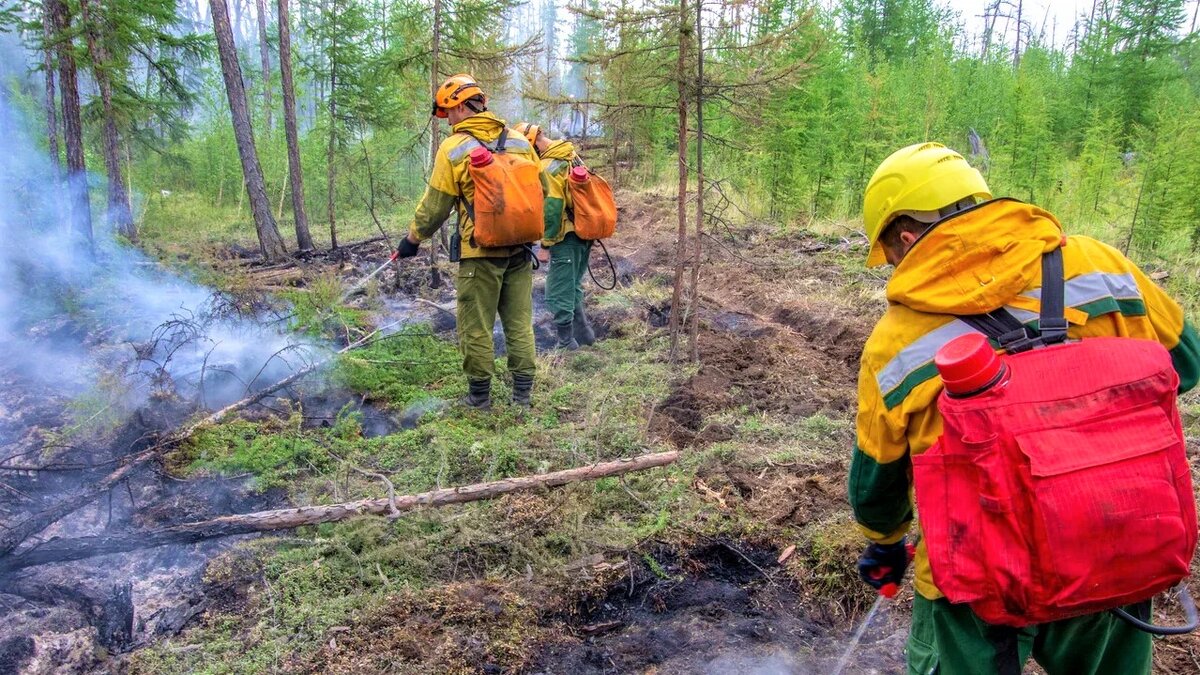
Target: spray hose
(611, 266)
(1189, 613)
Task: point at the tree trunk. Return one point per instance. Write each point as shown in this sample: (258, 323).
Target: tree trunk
(989, 22)
(269, 241)
(675, 323)
(266, 60)
(120, 214)
(331, 168)
(694, 304)
(1017, 49)
(62, 550)
(51, 107)
(435, 279)
(80, 208)
(295, 173)
(1137, 208)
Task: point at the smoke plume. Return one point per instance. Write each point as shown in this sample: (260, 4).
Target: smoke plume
(117, 320)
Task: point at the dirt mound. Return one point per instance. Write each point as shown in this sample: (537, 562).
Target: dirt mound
(788, 495)
(835, 335)
(776, 371)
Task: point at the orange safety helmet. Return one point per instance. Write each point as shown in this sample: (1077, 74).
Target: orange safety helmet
(530, 131)
(455, 91)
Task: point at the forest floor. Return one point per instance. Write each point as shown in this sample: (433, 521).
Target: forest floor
(737, 559)
(673, 570)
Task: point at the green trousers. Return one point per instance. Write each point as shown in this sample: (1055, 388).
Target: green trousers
(948, 639)
(490, 286)
(564, 281)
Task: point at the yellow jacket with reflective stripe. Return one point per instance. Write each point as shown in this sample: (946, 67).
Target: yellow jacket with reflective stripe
(450, 184)
(975, 262)
(556, 164)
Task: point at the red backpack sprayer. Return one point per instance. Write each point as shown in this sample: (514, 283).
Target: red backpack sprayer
(1060, 485)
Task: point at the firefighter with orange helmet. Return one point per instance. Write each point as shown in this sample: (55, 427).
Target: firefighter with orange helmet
(492, 280)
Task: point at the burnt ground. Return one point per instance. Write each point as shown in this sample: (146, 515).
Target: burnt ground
(70, 617)
(67, 617)
(716, 609)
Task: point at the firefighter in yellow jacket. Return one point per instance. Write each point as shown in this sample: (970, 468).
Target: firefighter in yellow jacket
(957, 251)
(490, 281)
(568, 254)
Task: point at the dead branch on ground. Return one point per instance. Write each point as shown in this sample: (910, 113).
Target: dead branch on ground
(78, 548)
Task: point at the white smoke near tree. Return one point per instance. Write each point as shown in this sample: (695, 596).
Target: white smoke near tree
(73, 322)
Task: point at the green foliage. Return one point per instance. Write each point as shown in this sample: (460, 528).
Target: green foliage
(318, 308)
(403, 368)
(274, 453)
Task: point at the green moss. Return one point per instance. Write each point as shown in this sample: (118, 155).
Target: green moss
(403, 368)
(334, 574)
(271, 455)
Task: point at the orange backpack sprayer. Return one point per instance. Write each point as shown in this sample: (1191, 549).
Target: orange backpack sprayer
(1060, 485)
(593, 212)
(507, 208)
(594, 209)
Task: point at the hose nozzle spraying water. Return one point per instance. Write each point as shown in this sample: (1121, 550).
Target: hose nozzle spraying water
(362, 282)
(886, 592)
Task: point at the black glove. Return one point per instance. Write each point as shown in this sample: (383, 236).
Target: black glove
(884, 564)
(407, 248)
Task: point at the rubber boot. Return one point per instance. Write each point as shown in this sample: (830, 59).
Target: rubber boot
(522, 390)
(566, 339)
(584, 334)
(479, 394)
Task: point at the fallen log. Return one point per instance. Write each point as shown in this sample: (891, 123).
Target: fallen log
(11, 536)
(78, 548)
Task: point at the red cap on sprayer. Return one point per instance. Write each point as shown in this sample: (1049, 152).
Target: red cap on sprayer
(968, 364)
(481, 156)
(579, 174)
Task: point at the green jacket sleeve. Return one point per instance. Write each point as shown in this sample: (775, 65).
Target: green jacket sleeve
(1171, 328)
(1186, 357)
(880, 468)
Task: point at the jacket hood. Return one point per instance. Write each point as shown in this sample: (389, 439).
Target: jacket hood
(976, 261)
(563, 150)
(484, 126)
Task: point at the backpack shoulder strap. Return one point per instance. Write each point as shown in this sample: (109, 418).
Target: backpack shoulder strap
(1008, 331)
(502, 140)
(1004, 329)
(1052, 322)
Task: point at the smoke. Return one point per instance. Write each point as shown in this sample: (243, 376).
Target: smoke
(120, 322)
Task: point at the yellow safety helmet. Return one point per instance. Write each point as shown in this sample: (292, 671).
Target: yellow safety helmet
(919, 178)
(530, 131)
(453, 92)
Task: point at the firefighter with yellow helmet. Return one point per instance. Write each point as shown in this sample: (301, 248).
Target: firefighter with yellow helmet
(492, 280)
(958, 252)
